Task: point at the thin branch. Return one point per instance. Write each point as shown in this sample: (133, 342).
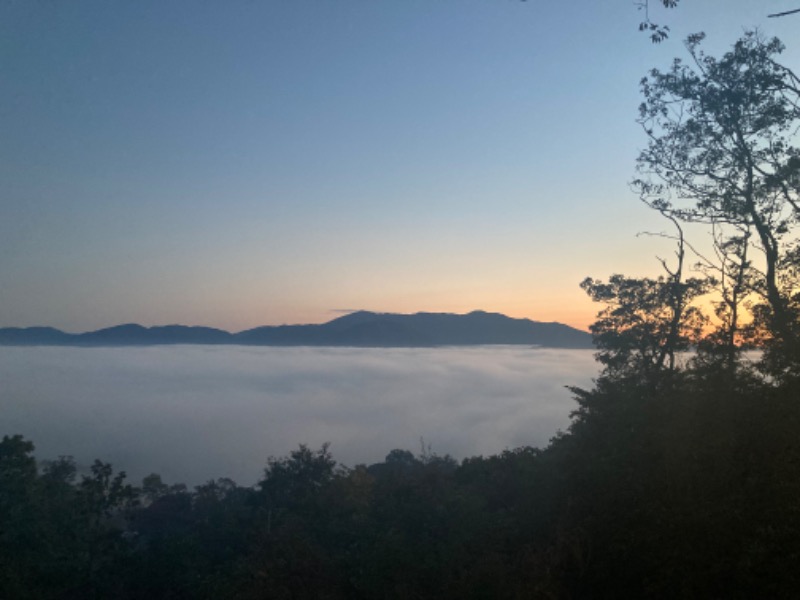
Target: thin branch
(674, 238)
(783, 14)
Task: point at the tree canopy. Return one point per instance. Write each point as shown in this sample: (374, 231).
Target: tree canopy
(722, 152)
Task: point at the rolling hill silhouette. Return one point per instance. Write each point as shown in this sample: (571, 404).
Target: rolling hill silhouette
(361, 329)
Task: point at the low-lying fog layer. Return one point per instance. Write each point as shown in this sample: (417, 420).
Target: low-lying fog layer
(192, 413)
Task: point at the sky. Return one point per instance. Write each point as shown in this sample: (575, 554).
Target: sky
(193, 413)
(252, 162)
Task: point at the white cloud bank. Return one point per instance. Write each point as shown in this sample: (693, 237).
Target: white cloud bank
(192, 413)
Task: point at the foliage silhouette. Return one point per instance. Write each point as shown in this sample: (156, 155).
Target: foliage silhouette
(722, 153)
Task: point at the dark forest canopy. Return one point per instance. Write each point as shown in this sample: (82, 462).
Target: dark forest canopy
(699, 479)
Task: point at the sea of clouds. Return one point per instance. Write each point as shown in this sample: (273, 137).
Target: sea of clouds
(192, 413)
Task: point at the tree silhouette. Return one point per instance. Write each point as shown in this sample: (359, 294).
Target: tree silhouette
(722, 152)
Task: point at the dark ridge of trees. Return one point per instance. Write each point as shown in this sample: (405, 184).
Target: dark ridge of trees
(688, 490)
(679, 475)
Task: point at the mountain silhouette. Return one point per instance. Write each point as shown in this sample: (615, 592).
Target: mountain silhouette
(133, 335)
(360, 329)
(33, 336)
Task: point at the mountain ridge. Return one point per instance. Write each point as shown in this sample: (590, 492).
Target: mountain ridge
(358, 329)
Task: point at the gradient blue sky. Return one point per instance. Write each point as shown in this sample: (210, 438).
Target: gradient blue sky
(241, 163)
